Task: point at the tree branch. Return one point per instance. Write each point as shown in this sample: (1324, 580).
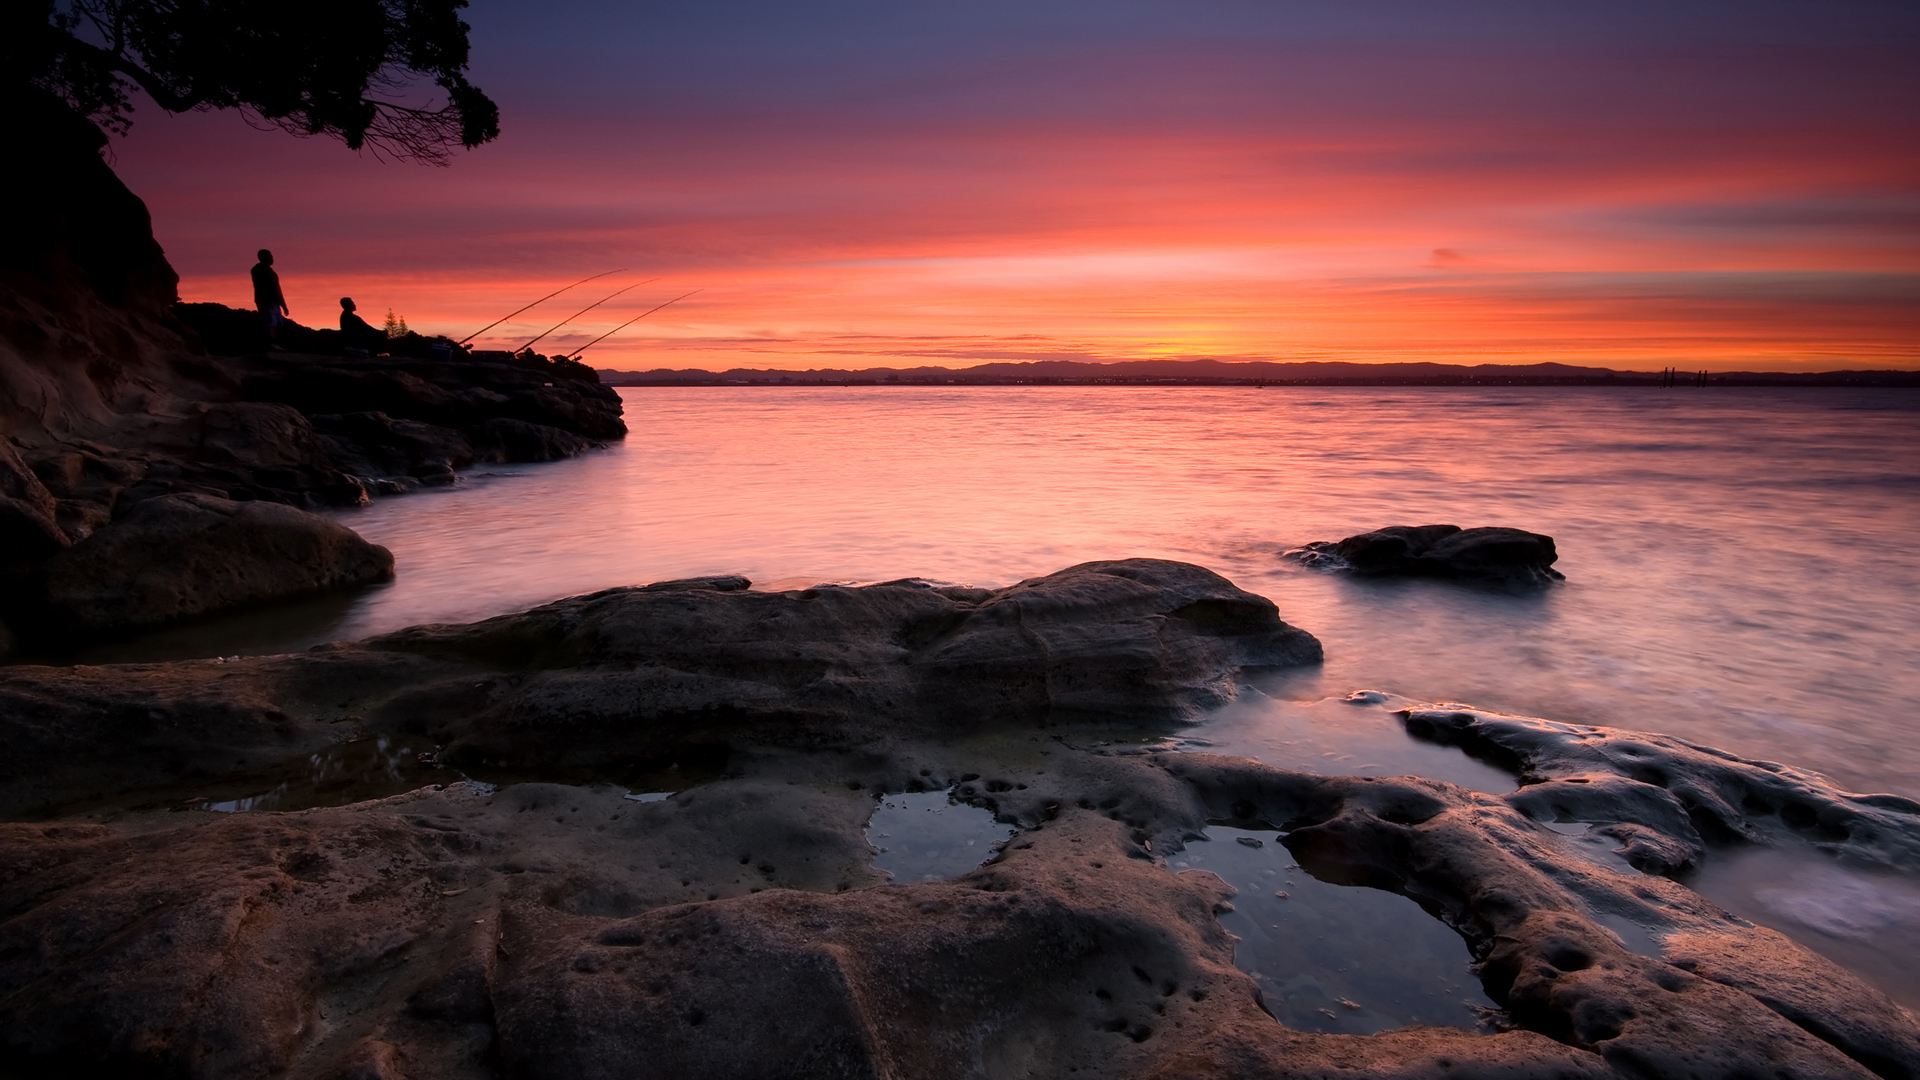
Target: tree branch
(162, 94)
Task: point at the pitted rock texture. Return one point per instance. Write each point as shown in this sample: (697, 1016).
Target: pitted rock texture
(181, 556)
(1512, 556)
(734, 930)
(456, 934)
(635, 677)
(1667, 799)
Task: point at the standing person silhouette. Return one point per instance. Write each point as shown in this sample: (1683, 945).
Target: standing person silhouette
(268, 298)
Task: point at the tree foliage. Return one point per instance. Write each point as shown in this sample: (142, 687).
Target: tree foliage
(388, 75)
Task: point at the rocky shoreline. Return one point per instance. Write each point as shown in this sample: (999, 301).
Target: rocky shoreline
(82, 515)
(537, 921)
(623, 834)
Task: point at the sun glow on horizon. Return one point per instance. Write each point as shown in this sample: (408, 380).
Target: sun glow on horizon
(1186, 186)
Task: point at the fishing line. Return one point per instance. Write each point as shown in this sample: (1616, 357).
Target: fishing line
(581, 312)
(542, 300)
(630, 322)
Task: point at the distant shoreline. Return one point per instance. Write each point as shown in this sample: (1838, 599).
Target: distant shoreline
(1204, 373)
(1892, 381)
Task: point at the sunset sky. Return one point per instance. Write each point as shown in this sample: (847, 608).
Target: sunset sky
(1708, 184)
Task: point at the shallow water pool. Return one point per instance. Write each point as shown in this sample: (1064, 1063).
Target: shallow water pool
(1334, 958)
(930, 836)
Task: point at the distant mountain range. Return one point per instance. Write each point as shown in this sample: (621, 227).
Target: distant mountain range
(1244, 373)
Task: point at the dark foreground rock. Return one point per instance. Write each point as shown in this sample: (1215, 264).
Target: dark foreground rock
(112, 393)
(640, 677)
(1441, 551)
(307, 432)
(735, 929)
(182, 556)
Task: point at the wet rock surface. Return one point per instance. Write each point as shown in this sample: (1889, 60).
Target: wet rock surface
(639, 677)
(1511, 556)
(1667, 800)
(735, 930)
(181, 556)
(738, 928)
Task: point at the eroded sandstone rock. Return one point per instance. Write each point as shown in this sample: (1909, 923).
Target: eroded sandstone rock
(1667, 799)
(626, 677)
(736, 928)
(29, 530)
(180, 556)
(733, 930)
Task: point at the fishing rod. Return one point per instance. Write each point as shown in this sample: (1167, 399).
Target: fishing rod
(576, 353)
(581, 312)
(536, 303)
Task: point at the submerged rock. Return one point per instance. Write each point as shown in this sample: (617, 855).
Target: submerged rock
(181, 556)
(1444, 551)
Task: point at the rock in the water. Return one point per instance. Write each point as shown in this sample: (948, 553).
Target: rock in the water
(1666, 799)
(654, 674)
(1443, 551)
(181, 556)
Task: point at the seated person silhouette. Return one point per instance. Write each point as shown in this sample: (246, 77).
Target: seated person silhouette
(356, 333)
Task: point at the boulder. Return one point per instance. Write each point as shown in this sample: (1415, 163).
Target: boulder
(632, 672)
(647, 676)
(1439, 551)
(179, 556)
(374, 445)
(255, 436)
(503, 440)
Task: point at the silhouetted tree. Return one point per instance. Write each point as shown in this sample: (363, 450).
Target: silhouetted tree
(362, 71)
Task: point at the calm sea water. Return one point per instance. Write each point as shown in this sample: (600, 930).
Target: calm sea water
(1740, 564)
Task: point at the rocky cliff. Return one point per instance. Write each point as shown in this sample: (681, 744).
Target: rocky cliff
(109, 398)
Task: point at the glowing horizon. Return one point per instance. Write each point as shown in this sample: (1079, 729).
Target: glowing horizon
(1717, 198)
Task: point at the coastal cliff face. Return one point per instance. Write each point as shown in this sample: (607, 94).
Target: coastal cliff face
(85, 328)
(108, 400)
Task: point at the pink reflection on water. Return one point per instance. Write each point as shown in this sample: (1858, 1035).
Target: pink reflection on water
(1736, 560)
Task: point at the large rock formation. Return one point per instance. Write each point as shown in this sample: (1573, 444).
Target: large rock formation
(107, 398)
(1440, 551)
(181, 556)
(637, 677)
(735, 928)
(85, 328)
